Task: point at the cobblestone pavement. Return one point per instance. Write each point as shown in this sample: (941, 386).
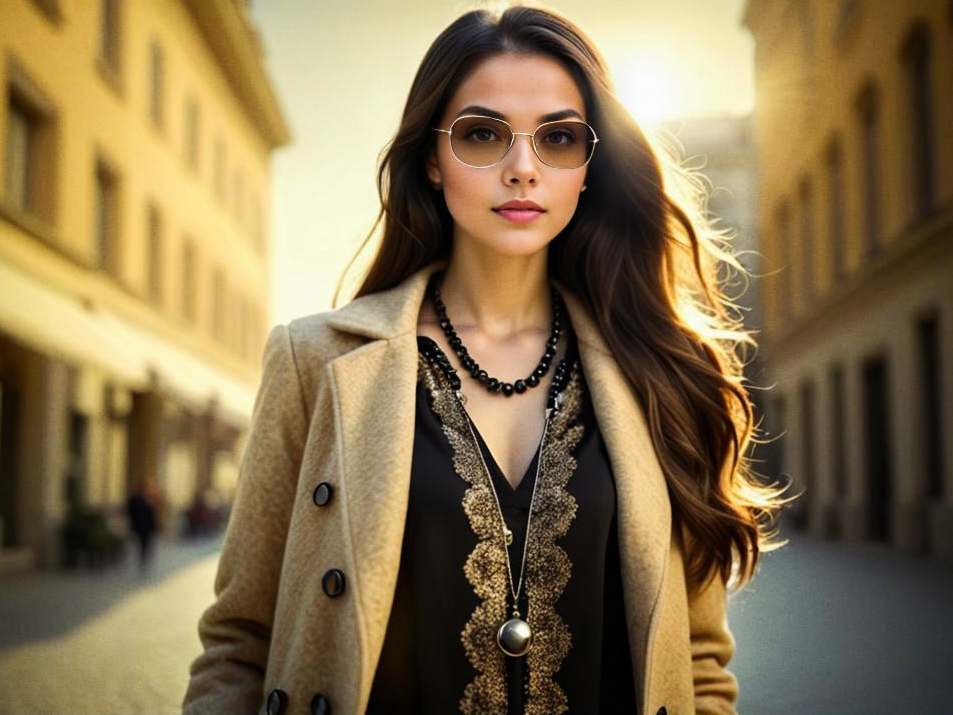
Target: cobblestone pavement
(826, 628)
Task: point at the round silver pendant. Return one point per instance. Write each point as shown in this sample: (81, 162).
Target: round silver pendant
(515, 637)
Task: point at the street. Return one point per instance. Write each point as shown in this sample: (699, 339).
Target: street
(105, 643)
(826, 628)
(829, 628)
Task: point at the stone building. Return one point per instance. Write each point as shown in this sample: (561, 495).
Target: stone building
(855, 218)
(134, 255)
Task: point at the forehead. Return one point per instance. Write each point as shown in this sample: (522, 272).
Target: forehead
(523, 88)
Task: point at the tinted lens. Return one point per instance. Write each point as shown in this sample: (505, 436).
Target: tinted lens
(565, 145)
(480, 141)
(483, 141)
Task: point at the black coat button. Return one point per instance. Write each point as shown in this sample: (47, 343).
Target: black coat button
(277, 702)
(333, 582)
(662, 711)
(320, 705)
(322, 493)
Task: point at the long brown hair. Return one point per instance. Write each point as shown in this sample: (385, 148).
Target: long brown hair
(642, 264)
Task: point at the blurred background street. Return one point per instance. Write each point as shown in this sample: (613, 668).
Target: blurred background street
(178, 176)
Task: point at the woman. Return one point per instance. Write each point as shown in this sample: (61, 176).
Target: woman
(509, 475)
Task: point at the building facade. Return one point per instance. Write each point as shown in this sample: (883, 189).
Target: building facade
(135, 259)
(855, 218)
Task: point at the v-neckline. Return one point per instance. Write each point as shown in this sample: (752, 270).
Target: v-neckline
(499, 473)
(496, 472)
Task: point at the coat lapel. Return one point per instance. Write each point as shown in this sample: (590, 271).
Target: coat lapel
(374, 388)
(644, 510)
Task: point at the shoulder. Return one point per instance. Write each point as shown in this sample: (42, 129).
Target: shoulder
(309, 343)
(315, 339)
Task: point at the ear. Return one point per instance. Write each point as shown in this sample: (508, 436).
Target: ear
(433, 171)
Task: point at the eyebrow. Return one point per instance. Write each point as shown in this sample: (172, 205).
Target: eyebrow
(551, 117)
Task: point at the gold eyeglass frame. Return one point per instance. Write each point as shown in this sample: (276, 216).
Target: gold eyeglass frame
(513, 134)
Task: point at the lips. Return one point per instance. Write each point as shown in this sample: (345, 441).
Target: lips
(519, 205)
(519, 215)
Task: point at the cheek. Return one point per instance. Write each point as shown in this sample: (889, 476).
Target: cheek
(567, 195)
(466, 192)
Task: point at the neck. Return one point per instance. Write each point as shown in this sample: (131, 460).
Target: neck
(498, 296)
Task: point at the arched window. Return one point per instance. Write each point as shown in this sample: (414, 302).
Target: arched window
(916, 57)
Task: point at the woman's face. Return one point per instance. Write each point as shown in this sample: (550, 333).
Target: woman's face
(522, 89)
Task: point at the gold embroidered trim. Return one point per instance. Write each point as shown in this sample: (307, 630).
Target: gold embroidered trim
(548, 566)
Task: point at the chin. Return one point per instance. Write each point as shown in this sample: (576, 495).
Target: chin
(513, 242)
(517, 247)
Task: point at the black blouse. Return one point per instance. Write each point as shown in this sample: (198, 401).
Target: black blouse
(440, 653)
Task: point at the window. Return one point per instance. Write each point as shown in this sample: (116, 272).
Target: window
(835, 171)
(931, 411)
(239, 197)
(189, 273)
(29, 181)
(877, 446)
(916, 56)
(218, 304)
(839, 432)
(157, 85)
(808, 458)
(220, 170)
(154, 253)
(50, 8)
(785, 253)
(193, 120)
(257, 221)
(805, 196)
(869, 114)
(777, 424)
(242, 325)
(845, 18)
(20, 129)
(109, 50)
(107, 233)
(806, 25)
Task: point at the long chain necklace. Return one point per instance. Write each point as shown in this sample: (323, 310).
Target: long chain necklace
(514, 636)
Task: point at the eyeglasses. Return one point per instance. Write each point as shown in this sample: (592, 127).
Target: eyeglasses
(481, 142)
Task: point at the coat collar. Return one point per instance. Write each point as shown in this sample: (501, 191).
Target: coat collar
(374, 388)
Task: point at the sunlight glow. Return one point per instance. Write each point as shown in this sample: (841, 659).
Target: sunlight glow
(649, 88)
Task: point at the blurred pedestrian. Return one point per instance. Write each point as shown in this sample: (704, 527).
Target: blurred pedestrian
(142, 521)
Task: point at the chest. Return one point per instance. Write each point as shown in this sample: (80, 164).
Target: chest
(510, 426)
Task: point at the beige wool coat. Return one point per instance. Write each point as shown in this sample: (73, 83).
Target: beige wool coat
(336, 406)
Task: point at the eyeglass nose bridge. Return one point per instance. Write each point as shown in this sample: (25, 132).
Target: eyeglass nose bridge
(532, 143)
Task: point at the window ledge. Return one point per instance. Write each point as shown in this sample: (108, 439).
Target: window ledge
(36, 226)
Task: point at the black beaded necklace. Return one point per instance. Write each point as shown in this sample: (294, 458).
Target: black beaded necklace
(491, 383)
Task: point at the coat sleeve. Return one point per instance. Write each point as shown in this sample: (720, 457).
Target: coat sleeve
(713, 646)
(235, 630)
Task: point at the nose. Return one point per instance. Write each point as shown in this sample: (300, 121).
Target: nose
(521, 162)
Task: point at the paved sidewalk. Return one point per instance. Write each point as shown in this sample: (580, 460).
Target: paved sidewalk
(105, 643)
(830, 628)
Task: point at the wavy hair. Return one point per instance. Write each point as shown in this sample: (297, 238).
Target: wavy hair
(642, 261)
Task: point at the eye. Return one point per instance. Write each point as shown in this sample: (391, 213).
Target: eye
(560, 136)
(481, 134)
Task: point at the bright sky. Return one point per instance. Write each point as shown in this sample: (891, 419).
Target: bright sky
(343, 69)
